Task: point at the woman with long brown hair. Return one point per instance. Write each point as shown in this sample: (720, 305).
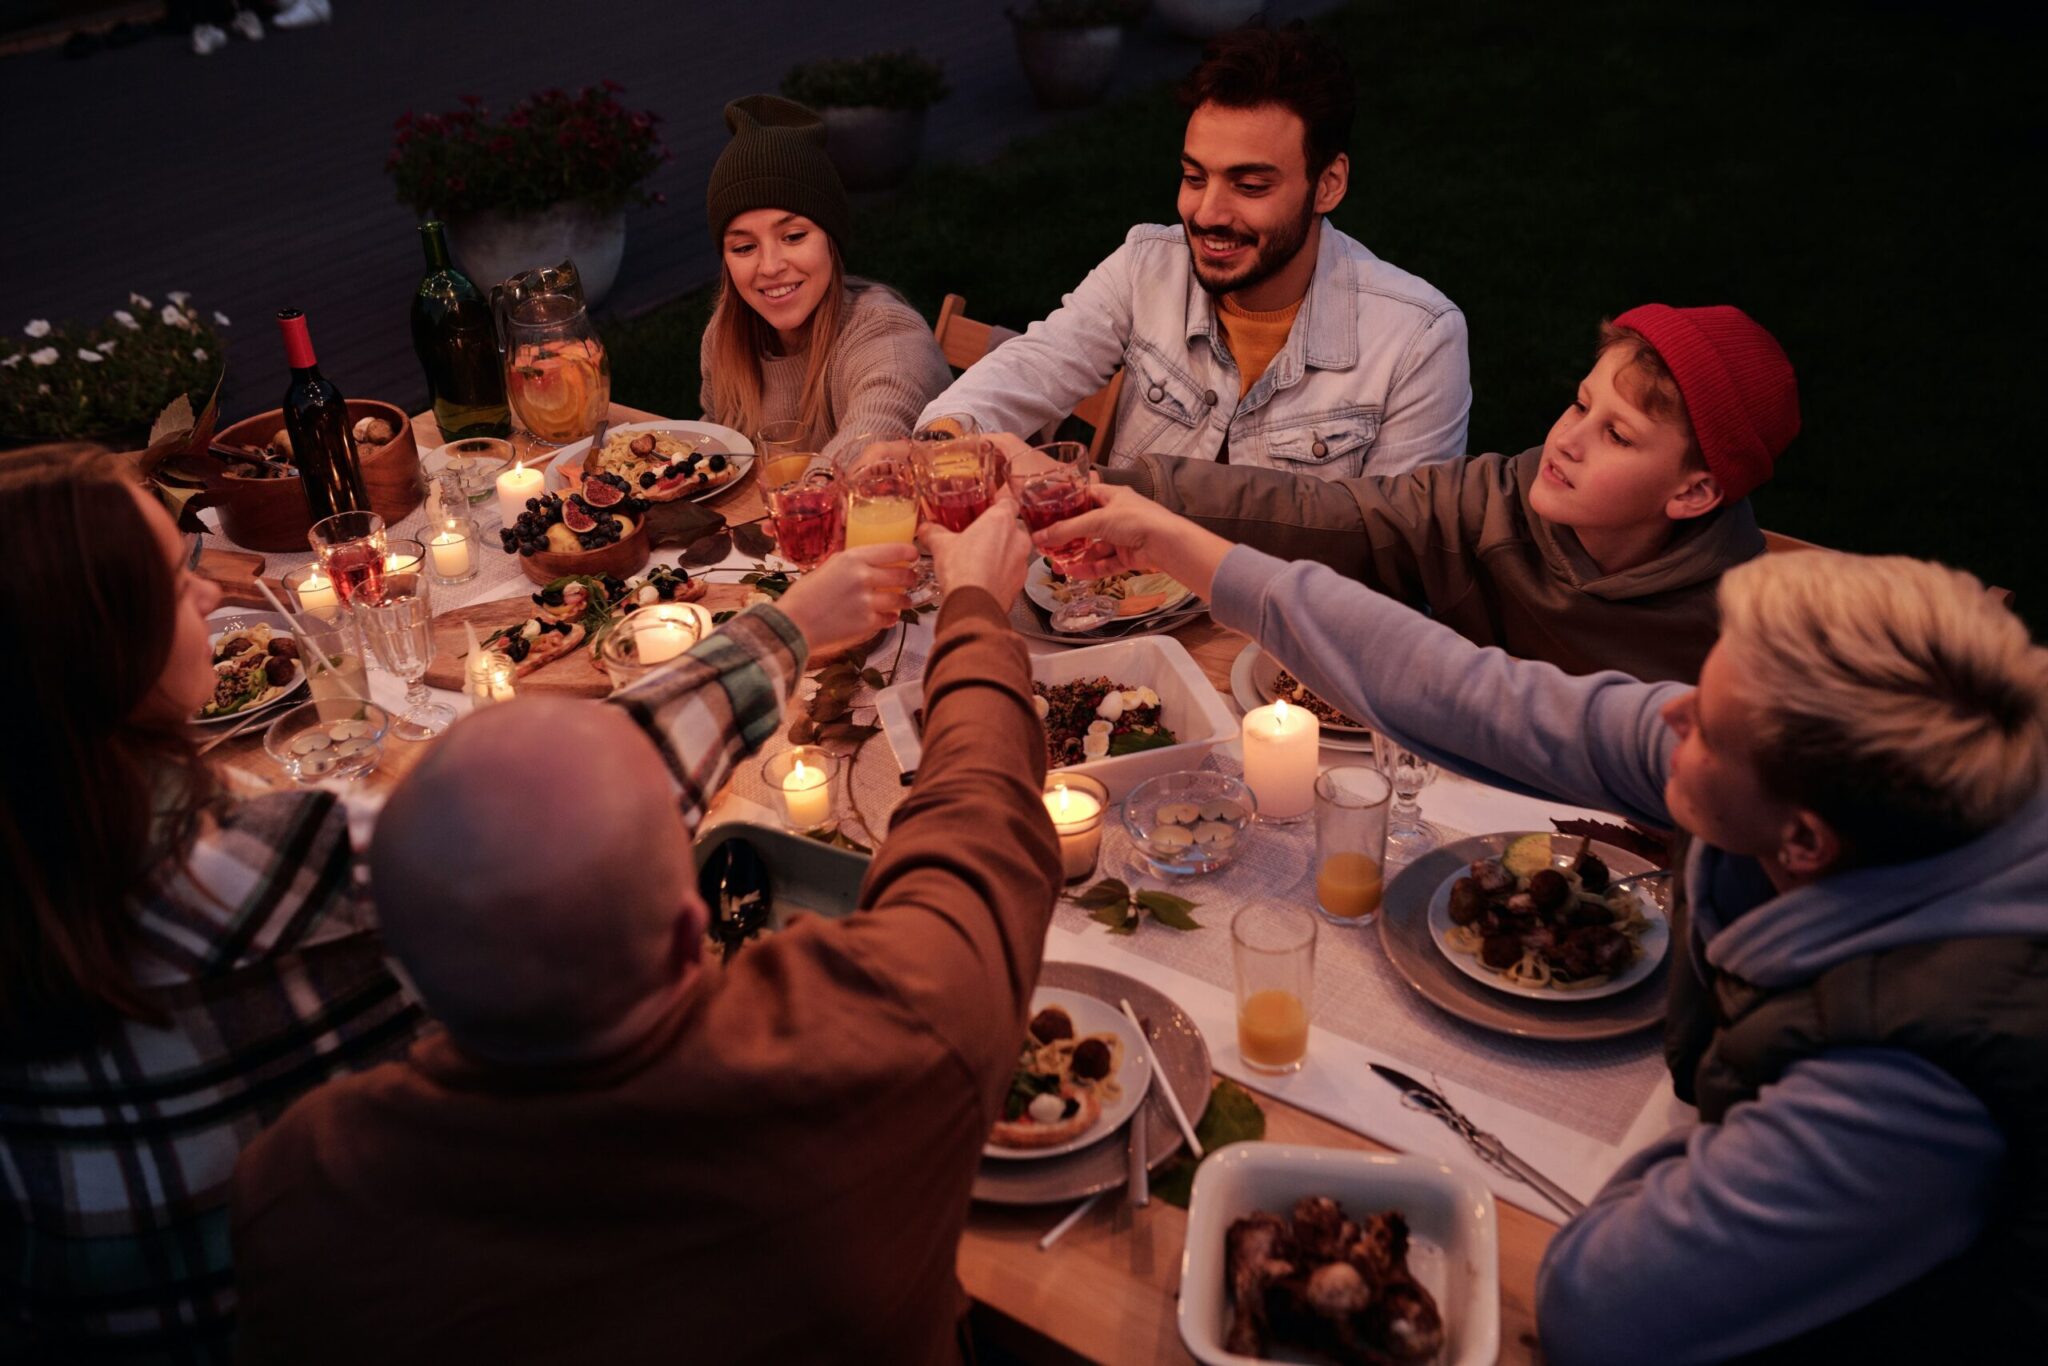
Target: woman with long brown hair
(176, 967)
(792, 336)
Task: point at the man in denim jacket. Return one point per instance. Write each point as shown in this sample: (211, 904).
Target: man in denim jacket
(1255, 332)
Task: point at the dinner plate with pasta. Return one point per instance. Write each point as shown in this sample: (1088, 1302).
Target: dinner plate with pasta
(1542, 920)
(1080, 1074)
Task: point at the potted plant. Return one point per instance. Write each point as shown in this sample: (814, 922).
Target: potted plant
(106, 382)
(1207, 18)
(551, 178)
(1069, 48)
(874, 110)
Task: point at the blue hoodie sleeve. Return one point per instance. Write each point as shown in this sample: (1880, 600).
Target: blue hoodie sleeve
(1595, 741)
(1860, 1171)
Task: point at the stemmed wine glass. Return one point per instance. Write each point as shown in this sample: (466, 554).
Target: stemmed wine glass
(399, 620)
(809, 517)
(1054, 495)
(1409, 836)
(881, 501)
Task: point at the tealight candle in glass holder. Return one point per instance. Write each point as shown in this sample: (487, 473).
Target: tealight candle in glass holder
(802, 780)
(1076, 804)
(451, 550)
(489, 678)
(310, 590)
(403, 555)
(648, 637)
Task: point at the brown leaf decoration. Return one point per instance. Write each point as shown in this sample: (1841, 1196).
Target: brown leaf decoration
(803, 731)
(752, 539)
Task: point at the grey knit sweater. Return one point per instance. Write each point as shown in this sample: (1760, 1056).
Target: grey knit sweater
(886, 368)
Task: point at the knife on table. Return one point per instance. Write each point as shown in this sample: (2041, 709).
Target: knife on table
(1490, 1149)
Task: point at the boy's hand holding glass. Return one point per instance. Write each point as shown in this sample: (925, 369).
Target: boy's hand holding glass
(992, 553)
(850, 597)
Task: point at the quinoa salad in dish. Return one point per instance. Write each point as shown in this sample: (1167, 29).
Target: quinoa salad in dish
(1094, 718)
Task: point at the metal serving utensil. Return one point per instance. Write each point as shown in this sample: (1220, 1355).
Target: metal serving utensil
(1491, 1150)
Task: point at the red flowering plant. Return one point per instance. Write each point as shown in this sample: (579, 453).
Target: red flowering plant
(548, 149)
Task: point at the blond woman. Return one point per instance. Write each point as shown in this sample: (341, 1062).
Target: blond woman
(1860, 1007)
(792, 336)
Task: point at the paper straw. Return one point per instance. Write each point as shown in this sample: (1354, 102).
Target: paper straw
(1059, 1230)
(298, 624)
(1180, 1116)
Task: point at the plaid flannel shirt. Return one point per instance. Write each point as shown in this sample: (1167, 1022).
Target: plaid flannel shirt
(263, 950)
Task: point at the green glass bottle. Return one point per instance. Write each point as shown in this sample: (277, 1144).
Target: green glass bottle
(458, 346)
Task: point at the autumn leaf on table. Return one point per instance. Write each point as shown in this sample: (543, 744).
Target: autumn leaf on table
(1112, 902)
(1232, 1116)
(751, 539)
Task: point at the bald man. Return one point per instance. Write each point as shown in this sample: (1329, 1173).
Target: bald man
(619, 1151)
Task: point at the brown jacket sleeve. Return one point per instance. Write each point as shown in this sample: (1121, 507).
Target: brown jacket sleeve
(955, 907)
(1414, 536)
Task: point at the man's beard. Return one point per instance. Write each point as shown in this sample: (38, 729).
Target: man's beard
(1271, 257)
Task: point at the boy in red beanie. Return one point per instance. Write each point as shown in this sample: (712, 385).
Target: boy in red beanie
(1599, 549)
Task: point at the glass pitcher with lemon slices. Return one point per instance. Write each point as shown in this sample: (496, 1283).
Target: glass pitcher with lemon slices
(558, 380)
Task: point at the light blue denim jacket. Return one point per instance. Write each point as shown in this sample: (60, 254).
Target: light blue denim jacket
(1373, 378)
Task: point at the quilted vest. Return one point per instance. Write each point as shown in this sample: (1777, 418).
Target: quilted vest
(1977, 1009)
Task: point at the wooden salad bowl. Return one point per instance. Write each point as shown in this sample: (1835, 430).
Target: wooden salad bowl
(271, 514)
(628, 555)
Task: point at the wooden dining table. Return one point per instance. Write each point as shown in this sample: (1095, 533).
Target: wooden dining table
(1108, 1290)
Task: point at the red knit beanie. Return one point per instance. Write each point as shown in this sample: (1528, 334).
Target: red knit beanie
(1738, 386)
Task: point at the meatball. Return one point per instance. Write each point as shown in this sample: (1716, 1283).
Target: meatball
(1091, 1060)
(1590, 913)
(1468, 903)
(277, 672)
(642, 446)
(1548, 889)
(1050, 1024)
(1490, 876)
(284, 647)
(240, 645)
(1501, 950)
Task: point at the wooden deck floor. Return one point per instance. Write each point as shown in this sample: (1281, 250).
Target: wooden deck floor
(254, 178)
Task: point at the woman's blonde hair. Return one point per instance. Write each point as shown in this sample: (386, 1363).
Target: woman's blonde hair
(739, 337)
(1893, 697)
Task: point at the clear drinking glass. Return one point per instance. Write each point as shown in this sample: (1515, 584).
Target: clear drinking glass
(351, 548)
(1052, 496)
(1351, 843)
(1273, 954)
(558, 379)
(882, 505)
(476, 462)
(648, 637)
(331, 653)
(400, 624)
(782, 452)
(809, 516)
(803, 780)
(1409, 836)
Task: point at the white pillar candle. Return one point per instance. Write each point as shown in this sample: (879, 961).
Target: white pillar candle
(317, 596)
(1280, 759)
(515, 486)
(450, 550)
(1077, 820)
(808, 795)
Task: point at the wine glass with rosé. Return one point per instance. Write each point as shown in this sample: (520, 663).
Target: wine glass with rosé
(1053, 495)
(809, 517)
(957, 478)
(351, 547)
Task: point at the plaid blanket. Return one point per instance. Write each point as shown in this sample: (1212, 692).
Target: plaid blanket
(263, 948)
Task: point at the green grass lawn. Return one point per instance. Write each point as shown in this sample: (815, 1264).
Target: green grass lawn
(1864, 181)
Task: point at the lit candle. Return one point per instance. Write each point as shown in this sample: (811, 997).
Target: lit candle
(450, 550)
(317, 596)
(807, 795)
(395, 563)
(1077, 820)
(490, 678)
(1280, 760)
(515, 486)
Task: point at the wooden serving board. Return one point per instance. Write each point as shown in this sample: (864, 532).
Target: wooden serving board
(573, 675)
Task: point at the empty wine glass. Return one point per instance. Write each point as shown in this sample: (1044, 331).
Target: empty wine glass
(1409, 836)
(399, 621)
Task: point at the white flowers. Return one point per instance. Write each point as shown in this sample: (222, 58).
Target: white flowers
(46, 356)
(107, 347)
(90, 357)
(39, 327)
(140, 302)
(179, 297)
(127, 320)
(11, 361)
(198, 353)
(42, 388)
(173, 318)
(221, 318)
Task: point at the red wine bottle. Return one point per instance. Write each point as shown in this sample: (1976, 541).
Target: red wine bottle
(316, 417)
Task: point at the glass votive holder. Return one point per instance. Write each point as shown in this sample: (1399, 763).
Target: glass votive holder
(1077, 803)
(490, 677)
(802, 780)
(404, 555)
(452, 550)
(648, 637)
(1352, 802)
(309, 590)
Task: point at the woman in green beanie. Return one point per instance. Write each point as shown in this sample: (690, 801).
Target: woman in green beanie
(793, 336)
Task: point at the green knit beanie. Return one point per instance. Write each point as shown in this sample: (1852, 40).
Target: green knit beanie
(776, 160)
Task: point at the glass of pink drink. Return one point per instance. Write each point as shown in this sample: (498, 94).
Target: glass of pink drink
(957, 479)
(1054, 495)
(809, 516)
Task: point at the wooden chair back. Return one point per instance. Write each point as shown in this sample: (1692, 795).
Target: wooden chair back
(1777, 542)
(965, 341)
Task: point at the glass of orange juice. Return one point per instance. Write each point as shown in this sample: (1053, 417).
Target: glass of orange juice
(1352, 802)
(1273, 949)
(783, 451)
(881, 502)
